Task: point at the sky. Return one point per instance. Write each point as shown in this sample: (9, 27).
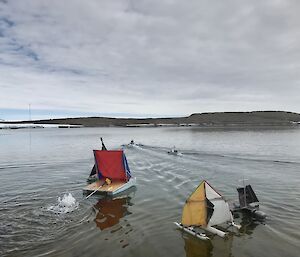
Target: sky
(138, 58)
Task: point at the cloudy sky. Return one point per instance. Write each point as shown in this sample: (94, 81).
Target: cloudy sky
(138, 58)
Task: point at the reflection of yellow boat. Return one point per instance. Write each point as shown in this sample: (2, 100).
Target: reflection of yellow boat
(110, 211)
(199, 248)
(214, 248)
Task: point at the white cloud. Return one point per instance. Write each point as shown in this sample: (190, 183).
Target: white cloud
(158, 57)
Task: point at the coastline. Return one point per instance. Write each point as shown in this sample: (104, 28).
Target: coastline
(203, 120)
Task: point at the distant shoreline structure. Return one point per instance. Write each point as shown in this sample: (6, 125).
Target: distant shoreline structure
(10, 125)
(214, 119)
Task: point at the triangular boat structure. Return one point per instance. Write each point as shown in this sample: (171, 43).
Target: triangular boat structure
(249, 202)
(204, 209)
(113, 175)
(246, 196)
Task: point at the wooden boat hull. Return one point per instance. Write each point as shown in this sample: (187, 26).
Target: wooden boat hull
(114, 188)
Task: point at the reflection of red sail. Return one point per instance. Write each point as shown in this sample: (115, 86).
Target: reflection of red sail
(110, 212)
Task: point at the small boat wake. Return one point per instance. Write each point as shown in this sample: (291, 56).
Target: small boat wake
(65, 204)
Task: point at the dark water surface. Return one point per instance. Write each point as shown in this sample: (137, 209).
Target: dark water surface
(38, 166)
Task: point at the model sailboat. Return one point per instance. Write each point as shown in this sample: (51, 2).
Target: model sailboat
(204, 209)
(111, 172)
(248, 202)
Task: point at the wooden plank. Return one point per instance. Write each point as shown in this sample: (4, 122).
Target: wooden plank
(105, 188)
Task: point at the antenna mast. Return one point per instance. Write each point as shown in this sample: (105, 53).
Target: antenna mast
(29, 110)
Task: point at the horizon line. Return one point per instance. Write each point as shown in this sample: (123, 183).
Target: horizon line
(139, 116)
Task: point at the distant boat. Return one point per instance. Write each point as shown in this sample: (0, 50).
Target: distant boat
(248, 202)
(111, 173)
(174, 151)
(131, 144)
(204, 209)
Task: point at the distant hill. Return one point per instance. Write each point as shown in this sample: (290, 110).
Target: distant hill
(246, 118)
(256, 118)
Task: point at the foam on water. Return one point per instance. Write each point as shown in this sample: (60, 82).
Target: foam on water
(65, 204)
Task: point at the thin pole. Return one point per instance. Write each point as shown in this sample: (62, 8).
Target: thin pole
(29, 112)
(245, 197)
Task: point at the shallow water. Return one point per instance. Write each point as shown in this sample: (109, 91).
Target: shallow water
(40, 165)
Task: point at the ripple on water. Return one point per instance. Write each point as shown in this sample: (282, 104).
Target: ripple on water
(34, 222)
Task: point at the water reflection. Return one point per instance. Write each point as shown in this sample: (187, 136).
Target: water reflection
(216, 247)
(247, 222)
(197, 248)
(111, 210)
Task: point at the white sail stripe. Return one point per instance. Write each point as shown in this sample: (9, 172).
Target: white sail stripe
(211, 193)
(221, 213)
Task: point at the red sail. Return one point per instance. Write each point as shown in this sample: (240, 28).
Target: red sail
(110, 164)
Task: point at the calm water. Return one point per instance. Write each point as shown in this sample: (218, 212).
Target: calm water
(39, 166)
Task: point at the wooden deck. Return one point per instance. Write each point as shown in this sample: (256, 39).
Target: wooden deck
(105, 188)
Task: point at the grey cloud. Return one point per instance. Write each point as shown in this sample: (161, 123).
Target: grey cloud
(205, 55)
